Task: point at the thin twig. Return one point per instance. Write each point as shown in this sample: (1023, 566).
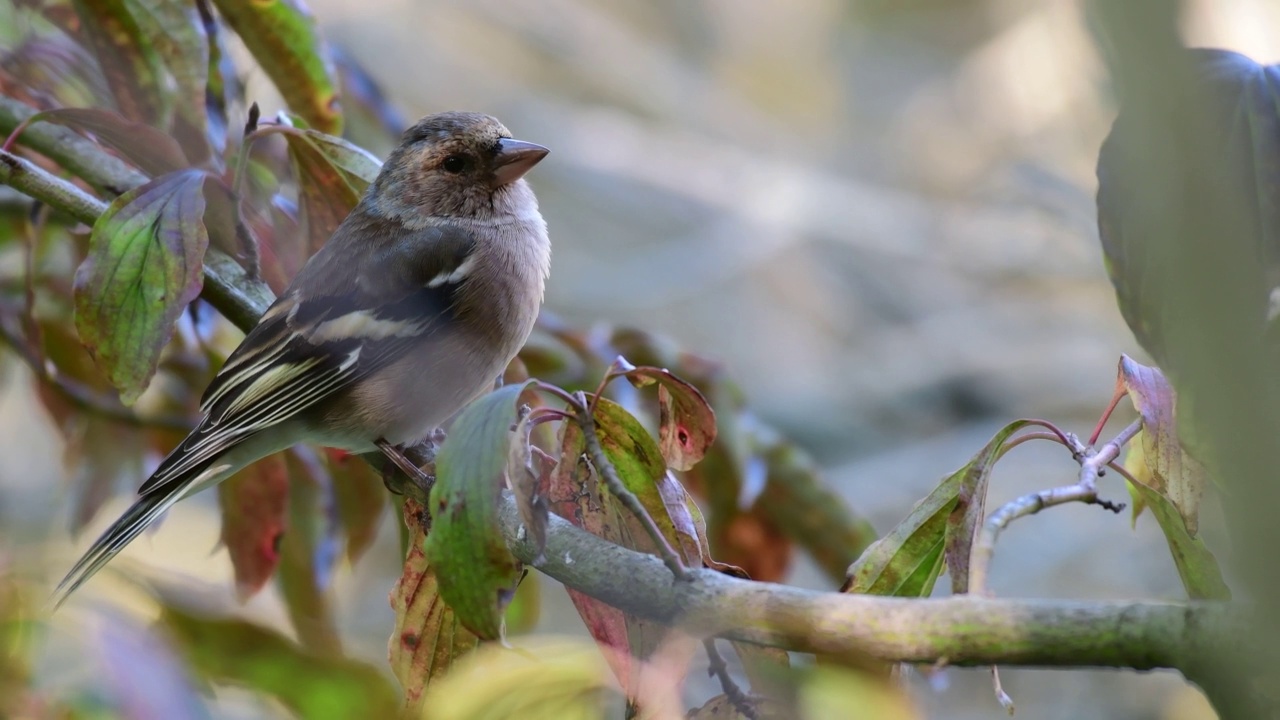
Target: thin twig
(1002, 697)
(625, 496)
(83, 396)
(1085, 490)
(28, 179)
(717, 667)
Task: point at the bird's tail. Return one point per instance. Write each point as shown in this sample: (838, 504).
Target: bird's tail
(137, 518)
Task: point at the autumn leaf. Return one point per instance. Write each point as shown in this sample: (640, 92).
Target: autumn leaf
(128, 58)
(178, 34)
(1173, 473)
(255, 508)
(686, 422)
(153, 151)
(360, 497)
(332, 175)
(428, 638)
(144, 266)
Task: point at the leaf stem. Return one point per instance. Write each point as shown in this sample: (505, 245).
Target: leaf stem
(610, 474)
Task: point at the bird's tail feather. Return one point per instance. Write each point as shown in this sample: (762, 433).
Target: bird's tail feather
(137, 518)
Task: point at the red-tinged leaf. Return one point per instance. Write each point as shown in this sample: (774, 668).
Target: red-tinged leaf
(428, 638)
(56, 67)
(477, 573)
(255, 506)
(307, 553)
(361, 499)
(686, 423)
(970, 506)
(153, 151)
(1197, 567)
(1174, 473)
(312, 686)
(332, 174)
(575, 495)
(178, 34)
(145, 264)
(129, 61)
(282, 36)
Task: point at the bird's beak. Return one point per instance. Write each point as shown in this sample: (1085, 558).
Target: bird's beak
(514, 159)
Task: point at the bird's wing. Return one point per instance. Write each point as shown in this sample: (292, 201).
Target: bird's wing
(341, 320)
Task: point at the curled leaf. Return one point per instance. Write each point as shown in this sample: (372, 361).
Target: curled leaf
(144, 265)
(686, 423)
(476, 571)
(526, 484)
(1174, 473)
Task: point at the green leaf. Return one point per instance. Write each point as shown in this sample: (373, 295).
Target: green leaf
(428, 638)
(971, 502)
(1196, 564)
(686, 422)
(283, 38)
(907, 560)
(128, 58)
(144, 265)
(255, 509)
(1173, 473)
(478, 574)
(313, 687)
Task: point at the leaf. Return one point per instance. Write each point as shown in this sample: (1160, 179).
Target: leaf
(282, 36)
(307, 553)
(428, 638)
(128, 59)
(255, 508)
(360, 497)
(526, 482)
(144, 265)
(971, 502)
(176, 30)
(153, 151)
(907, 560)
(1196, 564)
(477, 572)
(575, 495)
(310, 685)
(1174, 473)
(686, 424)
(546, 679)
(332, 174)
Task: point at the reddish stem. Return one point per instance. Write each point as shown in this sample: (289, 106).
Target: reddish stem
(1106, 414)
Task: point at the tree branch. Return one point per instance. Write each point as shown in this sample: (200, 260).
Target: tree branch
(962, 630)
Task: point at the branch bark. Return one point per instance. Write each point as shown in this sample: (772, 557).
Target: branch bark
(962, 630)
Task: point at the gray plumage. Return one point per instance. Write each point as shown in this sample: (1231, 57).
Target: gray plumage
(419, 300)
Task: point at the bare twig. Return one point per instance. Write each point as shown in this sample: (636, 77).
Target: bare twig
(620, 491)
(1085, 490)
(717, 667)
(1002, 697)
(26, 178)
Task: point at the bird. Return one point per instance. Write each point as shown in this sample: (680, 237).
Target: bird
(411, 310)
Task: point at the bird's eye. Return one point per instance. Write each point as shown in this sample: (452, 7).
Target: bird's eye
(455, 164)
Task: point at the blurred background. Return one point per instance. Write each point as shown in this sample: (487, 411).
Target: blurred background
(879, 215)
